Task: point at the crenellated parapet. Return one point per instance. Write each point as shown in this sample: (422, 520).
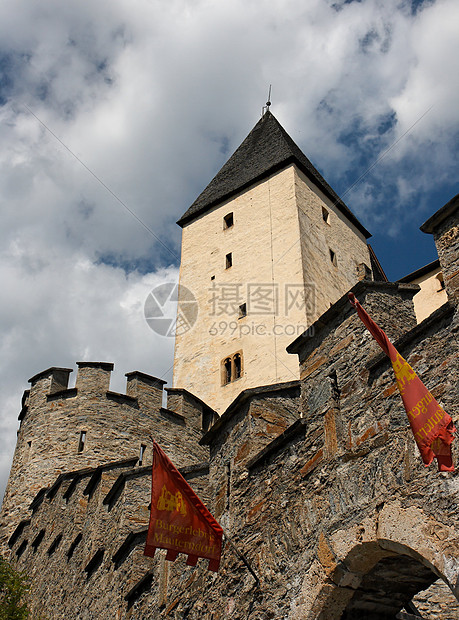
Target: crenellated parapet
(63, 428)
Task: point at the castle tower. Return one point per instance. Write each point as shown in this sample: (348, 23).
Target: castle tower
(267, 247)
(65, 429)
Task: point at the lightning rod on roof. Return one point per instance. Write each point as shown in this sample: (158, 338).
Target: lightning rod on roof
(268, 103)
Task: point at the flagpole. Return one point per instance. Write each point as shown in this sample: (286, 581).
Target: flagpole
(242, 557)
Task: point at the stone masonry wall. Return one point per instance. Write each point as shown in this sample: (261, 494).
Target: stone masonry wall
(328, 510)
(446, 235)
(83, 544)
(334, 511)
(345, 502)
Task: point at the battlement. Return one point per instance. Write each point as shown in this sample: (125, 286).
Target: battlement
(93, 378)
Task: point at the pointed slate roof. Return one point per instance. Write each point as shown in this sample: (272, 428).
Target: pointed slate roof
(267, 149)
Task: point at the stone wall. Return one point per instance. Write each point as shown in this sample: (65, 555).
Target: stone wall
(82, 546)
(338, 517)
(328, 510)
(445, 229)
(330, 504)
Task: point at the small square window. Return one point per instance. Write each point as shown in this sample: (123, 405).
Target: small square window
(82, 441)
(229, 260)
(142, 453)
(228, 221)
(333, 258)
(242, 311)
(325, 215)
(212, 277)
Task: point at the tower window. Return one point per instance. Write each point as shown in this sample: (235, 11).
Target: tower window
(232, 368)
(144, 585)
(212, 277)
(82, 441)
(141, 453)
(227, 371)
(37, 541)
(441, 281)
(73, 546)
(333, 258)
(237, 366)
(242, 311)
(228, 221)
(229, 260)
(325, 215)
(22, 548)
(94, 563)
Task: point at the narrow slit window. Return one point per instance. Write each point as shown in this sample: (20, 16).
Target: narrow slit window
(141, 453)
(242, 311)
(228, 484)
(144, 585)
(228, 221)
(325, 215)
(229, 260)
(237, 366)
(82, 441)
(227, 370)
(333, 258)
(28, 450)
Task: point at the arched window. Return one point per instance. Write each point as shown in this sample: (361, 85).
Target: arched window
(227, 370)
(232, 368)
(237, 366)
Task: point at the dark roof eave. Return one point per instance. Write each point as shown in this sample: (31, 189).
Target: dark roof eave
(422, 271)
(276, 168)
(437, 218)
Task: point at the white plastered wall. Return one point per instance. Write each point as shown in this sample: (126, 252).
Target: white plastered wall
(277, 241)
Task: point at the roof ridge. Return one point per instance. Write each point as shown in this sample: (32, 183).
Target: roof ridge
(268, 148)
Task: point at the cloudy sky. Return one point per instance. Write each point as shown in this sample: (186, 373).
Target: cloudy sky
(114, 115)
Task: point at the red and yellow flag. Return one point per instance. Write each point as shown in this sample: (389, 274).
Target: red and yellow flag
(179, 521)
(432, 427)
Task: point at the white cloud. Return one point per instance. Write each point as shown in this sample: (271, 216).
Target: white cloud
(66, 309)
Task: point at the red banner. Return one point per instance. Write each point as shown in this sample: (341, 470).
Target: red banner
(179, 521)
(432, 427)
